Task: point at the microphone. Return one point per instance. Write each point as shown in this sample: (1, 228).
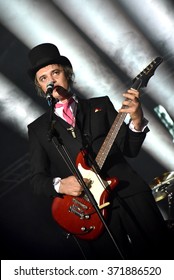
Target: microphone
(48, 95)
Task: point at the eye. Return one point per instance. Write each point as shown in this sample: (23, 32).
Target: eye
(57, 72)
(42, 79)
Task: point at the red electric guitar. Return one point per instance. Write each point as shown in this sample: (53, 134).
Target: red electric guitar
(77, 215)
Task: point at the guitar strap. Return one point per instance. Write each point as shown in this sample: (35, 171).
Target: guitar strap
(85, 127)
(84, 123)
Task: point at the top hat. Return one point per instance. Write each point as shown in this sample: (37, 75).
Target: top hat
(43, 55)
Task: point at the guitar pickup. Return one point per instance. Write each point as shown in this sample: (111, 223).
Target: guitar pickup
(79, 203)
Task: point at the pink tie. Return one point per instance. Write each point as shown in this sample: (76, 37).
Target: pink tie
(67, 113)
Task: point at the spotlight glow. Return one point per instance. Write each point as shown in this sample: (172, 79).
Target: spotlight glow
(98, 36)
(17, 109)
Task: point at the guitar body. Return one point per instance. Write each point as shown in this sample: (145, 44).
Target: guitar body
(77, 215)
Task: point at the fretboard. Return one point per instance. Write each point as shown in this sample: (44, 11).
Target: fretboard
(109, 140)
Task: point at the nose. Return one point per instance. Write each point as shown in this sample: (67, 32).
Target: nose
(51, 80)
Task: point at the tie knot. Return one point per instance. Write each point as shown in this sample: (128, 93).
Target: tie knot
(65, 105)
(67, 113)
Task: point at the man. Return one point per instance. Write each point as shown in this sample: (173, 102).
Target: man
(134, 225)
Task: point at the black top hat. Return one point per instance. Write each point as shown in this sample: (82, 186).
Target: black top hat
(43, 55)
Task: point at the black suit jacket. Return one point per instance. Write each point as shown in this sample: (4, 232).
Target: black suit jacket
(93, 121)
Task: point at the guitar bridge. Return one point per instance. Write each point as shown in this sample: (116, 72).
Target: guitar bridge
(78, 209)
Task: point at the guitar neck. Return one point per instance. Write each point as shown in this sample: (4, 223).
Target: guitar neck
(112, 134)
(107, 144)
(140, 81)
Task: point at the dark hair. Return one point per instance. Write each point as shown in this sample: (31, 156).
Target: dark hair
(69, 74)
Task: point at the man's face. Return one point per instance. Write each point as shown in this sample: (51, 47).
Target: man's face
(52, 73)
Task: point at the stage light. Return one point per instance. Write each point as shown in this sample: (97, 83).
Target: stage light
(17, 108)
(99, 37)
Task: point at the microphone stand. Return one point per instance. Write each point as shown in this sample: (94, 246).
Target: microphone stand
(58, 143)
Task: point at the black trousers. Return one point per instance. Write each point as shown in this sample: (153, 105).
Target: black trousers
(138, 229)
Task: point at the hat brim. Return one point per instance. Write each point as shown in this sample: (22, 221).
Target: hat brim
(62, 60)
